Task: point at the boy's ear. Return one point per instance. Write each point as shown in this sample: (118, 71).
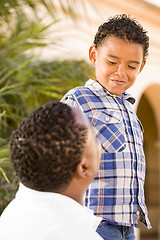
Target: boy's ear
(92, 54)
(142, 65)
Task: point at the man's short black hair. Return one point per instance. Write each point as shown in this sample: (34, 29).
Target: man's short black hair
(47, 146)
(123, 27)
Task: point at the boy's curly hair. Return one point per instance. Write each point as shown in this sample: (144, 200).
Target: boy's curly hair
(123, 27)
(47, 146)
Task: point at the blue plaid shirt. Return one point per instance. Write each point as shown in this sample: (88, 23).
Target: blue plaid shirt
(117, 192)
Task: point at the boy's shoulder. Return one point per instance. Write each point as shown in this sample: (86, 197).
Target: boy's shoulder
(91, 87)
(76, 94)
(77, 91)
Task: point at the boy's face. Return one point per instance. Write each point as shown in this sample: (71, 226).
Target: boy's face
(118, 62)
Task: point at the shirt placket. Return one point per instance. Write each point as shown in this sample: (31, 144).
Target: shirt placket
(132, 148)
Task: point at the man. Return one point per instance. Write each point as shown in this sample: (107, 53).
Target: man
(55, 156)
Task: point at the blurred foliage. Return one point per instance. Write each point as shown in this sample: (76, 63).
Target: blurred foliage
(30, 84)
(7, 190)
(27, 87)
(25, 84)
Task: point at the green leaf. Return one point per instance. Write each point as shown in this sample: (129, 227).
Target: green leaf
(4, 175)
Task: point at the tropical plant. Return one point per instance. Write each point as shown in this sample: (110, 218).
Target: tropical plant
(43, 81)
(25, 84)
(22, 29)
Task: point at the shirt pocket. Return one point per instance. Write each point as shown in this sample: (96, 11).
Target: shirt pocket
(109, 129)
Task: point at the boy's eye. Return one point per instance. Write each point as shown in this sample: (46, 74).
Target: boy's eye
(110, 62)
(131, 67)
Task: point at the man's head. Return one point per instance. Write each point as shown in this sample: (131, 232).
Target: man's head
(49, 145)
(119, 53)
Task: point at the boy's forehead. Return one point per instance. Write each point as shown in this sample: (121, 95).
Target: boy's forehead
(115, 46)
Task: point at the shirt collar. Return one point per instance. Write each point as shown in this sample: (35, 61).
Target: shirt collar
(100, 91)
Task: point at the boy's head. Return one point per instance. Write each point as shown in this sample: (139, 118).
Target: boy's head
(50, 144)
(125, 28)
(119, 53)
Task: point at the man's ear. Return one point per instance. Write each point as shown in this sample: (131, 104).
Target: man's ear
(92, 54)
(83, 169)
(142, 65)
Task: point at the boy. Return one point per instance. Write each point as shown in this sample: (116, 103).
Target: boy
(55, 156)
(119, 54)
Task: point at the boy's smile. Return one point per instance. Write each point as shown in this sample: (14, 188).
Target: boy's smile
(118, 62)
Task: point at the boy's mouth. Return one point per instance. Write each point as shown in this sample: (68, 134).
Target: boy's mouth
(118, 82)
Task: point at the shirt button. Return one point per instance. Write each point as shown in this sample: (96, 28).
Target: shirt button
(107, 119)
(138, 213)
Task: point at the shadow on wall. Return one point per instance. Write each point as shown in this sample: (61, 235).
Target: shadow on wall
(149, 114)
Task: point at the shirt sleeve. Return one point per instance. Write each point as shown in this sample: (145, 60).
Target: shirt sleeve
(70, 99)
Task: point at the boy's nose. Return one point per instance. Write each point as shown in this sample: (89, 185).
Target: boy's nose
(121, 71)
